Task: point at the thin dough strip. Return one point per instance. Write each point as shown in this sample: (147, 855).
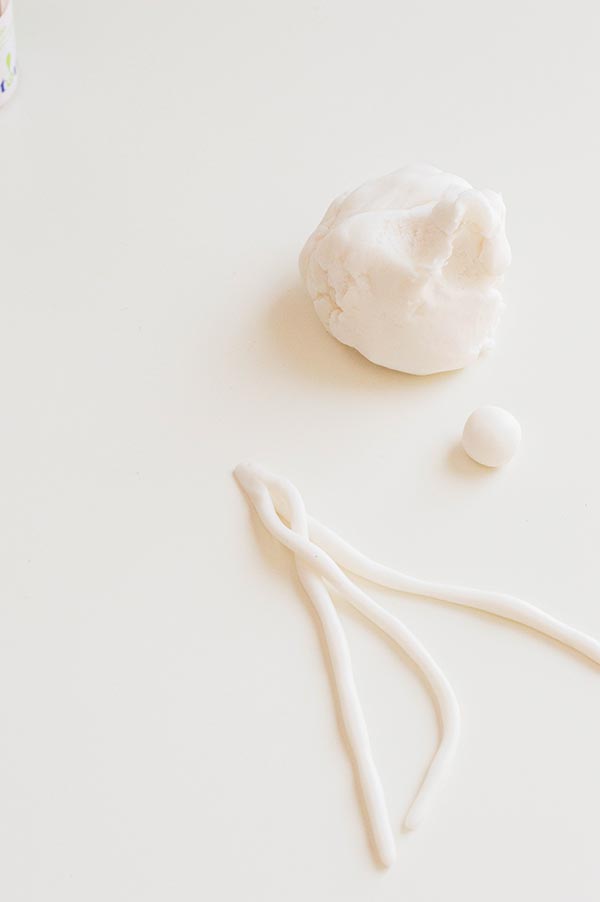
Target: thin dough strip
(500, 604)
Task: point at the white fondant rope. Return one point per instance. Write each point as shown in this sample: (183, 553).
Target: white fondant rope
(256, 482)
(502, 605)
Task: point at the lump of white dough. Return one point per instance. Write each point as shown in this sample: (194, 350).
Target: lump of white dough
(406, 269)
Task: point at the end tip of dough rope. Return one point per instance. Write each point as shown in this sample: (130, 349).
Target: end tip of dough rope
(414, 817)
(589, 647)
(244, 472)
(387, 856)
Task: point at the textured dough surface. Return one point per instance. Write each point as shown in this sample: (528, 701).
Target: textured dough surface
(406, 269)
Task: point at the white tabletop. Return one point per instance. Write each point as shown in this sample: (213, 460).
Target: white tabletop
(167, 729)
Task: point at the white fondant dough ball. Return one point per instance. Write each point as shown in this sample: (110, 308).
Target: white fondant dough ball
(407, 269)
(491, 436)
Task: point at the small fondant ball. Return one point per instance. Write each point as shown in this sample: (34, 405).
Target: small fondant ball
(491, 436)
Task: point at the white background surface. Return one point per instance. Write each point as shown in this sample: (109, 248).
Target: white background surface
(166, 723)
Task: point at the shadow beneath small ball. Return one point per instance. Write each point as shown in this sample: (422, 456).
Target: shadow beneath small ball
(459, 463)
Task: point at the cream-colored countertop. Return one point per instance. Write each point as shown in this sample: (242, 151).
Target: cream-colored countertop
(166, 723)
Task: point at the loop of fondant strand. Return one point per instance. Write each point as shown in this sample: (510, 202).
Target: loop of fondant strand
(257, 482)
